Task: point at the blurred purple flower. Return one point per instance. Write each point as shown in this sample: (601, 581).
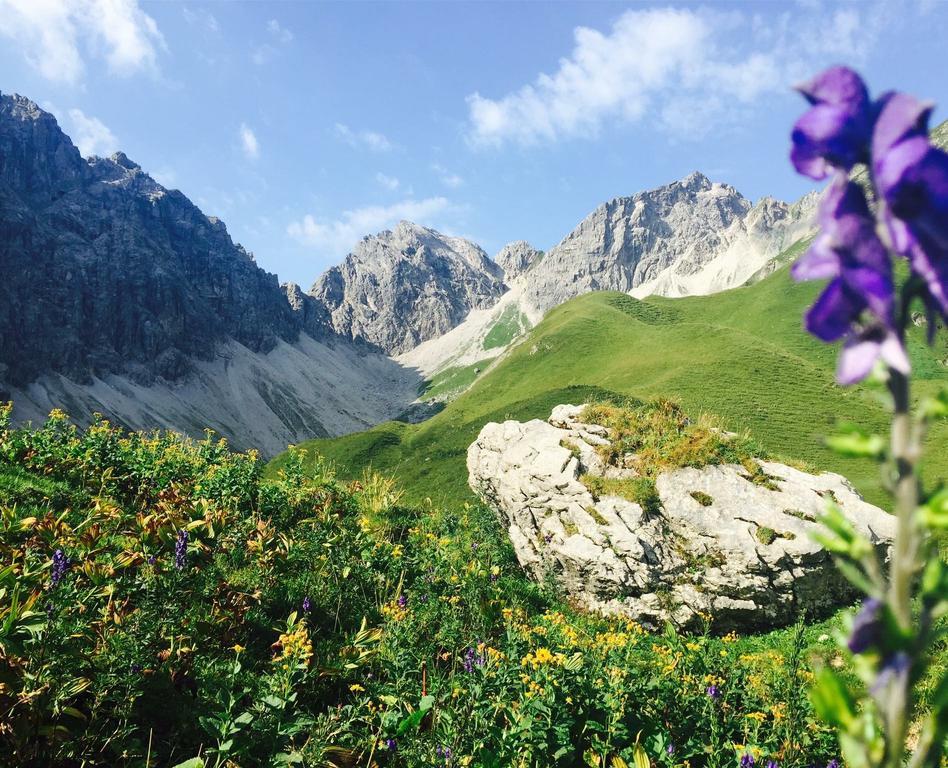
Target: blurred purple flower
(391, 745)
(307, 604)
(713, 691)
(912, 178)
(867, 626)
(848, 251)
(747, 760)
(835, 131)
(773, 764)
(181, 550)
(834, 763)
(670, 749)
(402, 601)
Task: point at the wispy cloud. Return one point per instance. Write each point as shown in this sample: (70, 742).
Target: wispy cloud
(282, 34)
(201, 17)
(389, 182)
(248, 142)
(371, 140)
(56, 36)
(446, 177)
(279, 36)
(336, 237)
(91, 135)
(691, 68)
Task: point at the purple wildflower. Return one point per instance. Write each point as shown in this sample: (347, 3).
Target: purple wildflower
(152, 559)
(670, 749)
(773, 764)
(834, 763)
(391, 745)
(892, 680)
(402, 601)
(471, 659)
(747, 760)
(912, 178)
(60, 566)
(181, 550)
(848, 252)
(867, 627)
(835, 131)
(307, 604)
(713, 691)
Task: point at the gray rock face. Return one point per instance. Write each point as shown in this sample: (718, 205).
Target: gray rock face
(407, 285)
(106, 271)
(516, 257)
(692, 236)
(122, 297)
(740, 551)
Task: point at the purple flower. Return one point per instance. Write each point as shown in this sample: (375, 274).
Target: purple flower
(471, 659)
(60, 566)
(152, 559)
(849, 252)
(670, 749)
(402, 601)
(747, 760)
(181, 550)
(834, 763)
(713, 691)
(773, 764)
(307, 604)
(912, 178)
(867, 627)
(391, 745)
(835, 131)
(892, 681)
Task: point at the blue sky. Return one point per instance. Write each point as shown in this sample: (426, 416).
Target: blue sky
(305, 126)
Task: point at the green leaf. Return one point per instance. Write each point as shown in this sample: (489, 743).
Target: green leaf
(832, 700)
(853, 441)
(935, 407)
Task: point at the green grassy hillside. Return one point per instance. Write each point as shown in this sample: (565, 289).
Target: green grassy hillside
(741, 355)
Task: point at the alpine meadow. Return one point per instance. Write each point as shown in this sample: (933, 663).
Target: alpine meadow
(612, 431)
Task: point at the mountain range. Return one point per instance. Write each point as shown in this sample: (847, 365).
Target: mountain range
(121, 297)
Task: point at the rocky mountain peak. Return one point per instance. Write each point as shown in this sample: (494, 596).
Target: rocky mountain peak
(516, 257)
(404, 286)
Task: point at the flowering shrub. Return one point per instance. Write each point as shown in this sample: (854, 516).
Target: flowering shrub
(899, 207)
(159, 600)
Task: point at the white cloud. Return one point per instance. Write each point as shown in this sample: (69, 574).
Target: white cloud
(657, 62)
(91, 135)
(372, 140)
(55, 35)
(201, 17)
(389, 182)
(248, 141)
(447, 178)
(337, 237)
(282, 34)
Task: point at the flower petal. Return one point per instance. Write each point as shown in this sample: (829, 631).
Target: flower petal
(836, 85)
(830, 133)
(857, 359)
(829, 318)
(893, 353)
(818, 263)
(901, 117)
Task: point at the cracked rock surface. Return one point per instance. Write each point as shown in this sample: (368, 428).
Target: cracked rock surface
(721, 544)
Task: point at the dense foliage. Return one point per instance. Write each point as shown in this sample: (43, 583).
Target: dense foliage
(159, 600)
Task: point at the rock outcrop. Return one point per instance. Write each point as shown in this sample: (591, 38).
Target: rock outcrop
(404, 286)
(721, 543)
(516, 257)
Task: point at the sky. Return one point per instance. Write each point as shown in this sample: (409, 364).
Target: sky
(306, 126)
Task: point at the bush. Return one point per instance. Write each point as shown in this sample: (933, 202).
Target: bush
(159, 600)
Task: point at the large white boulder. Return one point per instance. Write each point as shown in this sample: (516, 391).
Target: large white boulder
(721, 544)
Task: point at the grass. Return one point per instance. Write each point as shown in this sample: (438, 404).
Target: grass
(741, 355)
(511, 323)
(451, 381)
